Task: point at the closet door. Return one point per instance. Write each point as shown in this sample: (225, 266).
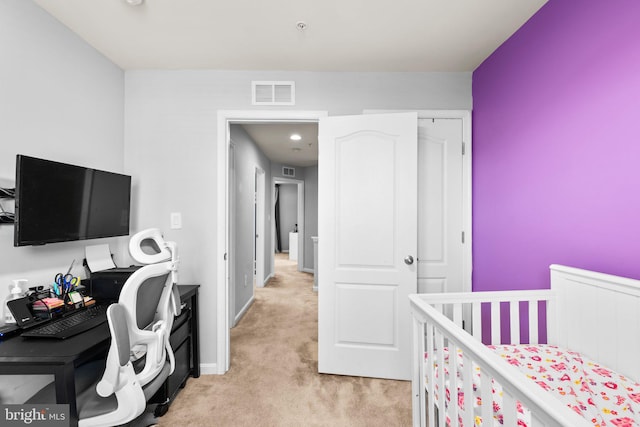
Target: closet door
(441, 243)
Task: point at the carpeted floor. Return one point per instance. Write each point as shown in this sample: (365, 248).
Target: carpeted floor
(273, 380)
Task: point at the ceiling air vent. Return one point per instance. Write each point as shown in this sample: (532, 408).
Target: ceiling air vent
(288, 171)
(273, 93)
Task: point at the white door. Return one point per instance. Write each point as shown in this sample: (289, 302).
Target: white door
(367, 230)
(440, 206)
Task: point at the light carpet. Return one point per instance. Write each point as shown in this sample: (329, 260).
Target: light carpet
(274, 380)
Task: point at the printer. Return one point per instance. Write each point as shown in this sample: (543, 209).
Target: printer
(105, 285)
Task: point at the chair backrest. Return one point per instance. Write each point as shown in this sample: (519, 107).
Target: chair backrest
(118, 397)
(150, 297)
(119, 379)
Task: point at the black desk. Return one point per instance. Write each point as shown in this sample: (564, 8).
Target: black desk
(60, 357)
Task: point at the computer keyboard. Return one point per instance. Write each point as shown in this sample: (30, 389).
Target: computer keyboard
(71, 325)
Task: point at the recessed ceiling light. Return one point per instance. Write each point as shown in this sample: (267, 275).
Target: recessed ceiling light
(134, 2)
(295, 137)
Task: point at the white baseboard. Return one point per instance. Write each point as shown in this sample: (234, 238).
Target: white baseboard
(307, 270)
(243, 311)
(269, 277)
(209, 369)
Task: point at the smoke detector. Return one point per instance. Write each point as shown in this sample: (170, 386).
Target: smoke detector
(134, 2)
(301, 25)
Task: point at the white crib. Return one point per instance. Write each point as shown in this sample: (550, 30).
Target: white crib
(592, 313)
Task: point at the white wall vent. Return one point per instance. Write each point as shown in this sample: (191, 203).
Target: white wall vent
(273, 93)
(288, 171)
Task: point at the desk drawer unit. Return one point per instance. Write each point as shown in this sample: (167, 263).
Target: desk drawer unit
(182, 371)
(183, 341)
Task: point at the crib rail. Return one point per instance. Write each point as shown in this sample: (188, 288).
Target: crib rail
(433, 331)
(454, 305)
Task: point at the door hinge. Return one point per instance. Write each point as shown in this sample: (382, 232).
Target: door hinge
(464, 148)
(463, 237)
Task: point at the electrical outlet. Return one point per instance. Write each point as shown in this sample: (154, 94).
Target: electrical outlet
(246, 283)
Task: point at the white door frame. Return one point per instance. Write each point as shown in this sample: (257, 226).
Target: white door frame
(231, 272)
(300, 216)
(225, 117)
(259, 220)
(465, 116)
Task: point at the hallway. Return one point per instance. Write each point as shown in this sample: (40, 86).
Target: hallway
(273, 380)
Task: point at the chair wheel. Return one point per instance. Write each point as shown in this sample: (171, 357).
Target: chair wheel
(161, 410)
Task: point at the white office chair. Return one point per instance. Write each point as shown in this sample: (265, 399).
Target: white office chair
(150, 296)
(118, 397)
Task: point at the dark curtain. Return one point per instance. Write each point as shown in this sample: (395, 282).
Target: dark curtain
(276, 217)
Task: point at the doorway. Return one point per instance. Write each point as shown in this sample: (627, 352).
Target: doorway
(225, 119)
(288, 227)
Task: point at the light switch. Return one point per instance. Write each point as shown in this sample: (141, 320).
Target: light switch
(176, 220)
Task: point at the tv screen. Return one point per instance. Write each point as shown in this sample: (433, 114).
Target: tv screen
(58, 202)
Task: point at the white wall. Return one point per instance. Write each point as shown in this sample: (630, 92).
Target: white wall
(171, 139)
(61, 100)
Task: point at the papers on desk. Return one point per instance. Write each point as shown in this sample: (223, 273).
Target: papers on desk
(47, 304)
(99, 257)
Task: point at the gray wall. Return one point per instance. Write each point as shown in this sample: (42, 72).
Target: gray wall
(288, 201)
(171, 141)
(247, 157)
(61, 100)
(310, 214)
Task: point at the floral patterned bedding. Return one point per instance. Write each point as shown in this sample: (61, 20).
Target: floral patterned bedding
(595, 392)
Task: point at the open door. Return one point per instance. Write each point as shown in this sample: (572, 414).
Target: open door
(367, 232)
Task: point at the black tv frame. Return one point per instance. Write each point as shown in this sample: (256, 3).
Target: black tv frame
(69, 211)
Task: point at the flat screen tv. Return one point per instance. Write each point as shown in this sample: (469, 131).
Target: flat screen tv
(58, 202)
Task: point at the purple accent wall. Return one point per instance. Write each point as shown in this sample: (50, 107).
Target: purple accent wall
(556, 147)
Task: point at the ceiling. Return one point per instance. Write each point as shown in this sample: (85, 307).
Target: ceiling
(275, 142)
(339, 35)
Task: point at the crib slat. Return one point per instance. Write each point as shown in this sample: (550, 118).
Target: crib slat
(441, 378)
(514, 321)
(439, 307)
(533, 322)
(418, 387)
(457, 314)
(476, 325)
(430, 377)
(495, 323)
(536, 421)
(454, 383)
(467, 376)
(487, 398)
(509, 410)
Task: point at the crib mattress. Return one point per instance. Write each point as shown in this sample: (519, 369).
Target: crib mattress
(597, 393)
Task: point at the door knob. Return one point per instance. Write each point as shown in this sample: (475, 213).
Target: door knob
(408, 260)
